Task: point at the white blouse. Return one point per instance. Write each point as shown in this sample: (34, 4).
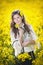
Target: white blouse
(29, 37)
(15, 43)
(26, 36)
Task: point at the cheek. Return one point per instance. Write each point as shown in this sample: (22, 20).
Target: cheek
(14, 20)
(19, 19)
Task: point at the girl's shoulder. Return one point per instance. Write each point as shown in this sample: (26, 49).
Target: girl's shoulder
(29, 26)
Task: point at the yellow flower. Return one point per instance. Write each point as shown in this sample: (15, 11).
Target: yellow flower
(33, 61)
(10, 57)
(24, 56)
(23, 60)
(16, 25)
(21, 13)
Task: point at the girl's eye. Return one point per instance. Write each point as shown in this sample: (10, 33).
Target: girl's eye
(17, 17)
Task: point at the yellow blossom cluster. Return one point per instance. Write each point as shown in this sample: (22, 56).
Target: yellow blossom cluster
(24, 56)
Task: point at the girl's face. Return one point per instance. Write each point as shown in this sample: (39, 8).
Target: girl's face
(17, 19)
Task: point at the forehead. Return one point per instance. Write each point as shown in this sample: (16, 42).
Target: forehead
(16, 15)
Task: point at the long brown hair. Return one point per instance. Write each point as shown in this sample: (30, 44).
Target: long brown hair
(14, 29)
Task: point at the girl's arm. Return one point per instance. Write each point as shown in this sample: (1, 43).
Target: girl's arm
(32, 41)
(26, 43)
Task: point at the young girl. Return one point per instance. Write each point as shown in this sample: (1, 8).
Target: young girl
(22, 35)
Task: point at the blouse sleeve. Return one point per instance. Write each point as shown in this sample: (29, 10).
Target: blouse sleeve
(15, 44)
(33, 35)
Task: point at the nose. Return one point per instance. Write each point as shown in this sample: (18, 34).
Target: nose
(16, 19)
